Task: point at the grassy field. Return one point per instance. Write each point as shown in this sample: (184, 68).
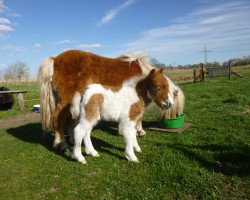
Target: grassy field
(210, 160)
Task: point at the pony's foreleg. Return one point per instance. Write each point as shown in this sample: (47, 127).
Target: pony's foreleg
(140, 131)
(79, 133)
(70, 130)
(129, 133)
(59, 141)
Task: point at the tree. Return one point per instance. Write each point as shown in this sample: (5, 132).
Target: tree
(8, 74)
(20, 70)
(156, 63)
(15, 72)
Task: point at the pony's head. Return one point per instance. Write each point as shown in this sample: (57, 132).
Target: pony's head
(159, 89)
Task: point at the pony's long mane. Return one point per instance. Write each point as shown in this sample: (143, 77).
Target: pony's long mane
(141, 58)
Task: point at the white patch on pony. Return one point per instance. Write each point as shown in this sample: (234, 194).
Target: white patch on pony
(116, 104)
(75, 105)
(170, 99)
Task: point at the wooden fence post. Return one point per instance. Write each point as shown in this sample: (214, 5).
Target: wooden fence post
(20, 101)
(202, 72)
(195, 75)
(229, 69)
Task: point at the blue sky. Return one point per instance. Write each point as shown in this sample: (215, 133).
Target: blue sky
(168, 30)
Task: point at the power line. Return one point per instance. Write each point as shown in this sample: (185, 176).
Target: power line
(236, 50)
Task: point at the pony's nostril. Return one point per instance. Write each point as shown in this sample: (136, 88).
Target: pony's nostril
(167, 104)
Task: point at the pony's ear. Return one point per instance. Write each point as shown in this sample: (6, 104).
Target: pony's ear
(152, 73)
(175, 92)
(161, 71)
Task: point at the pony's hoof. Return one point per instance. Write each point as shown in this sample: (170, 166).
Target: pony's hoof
(80, 159)
(137, 149)
(61, 146)
(56, 145)
(64, 147)
(135, 160)
(141, 133)
(67, 150)
(93, 153)
(83, 162)
(96, 155)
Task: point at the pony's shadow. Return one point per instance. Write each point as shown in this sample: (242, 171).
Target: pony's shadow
(107, 127)
(226, 159)
(32, 133)
(102, 146)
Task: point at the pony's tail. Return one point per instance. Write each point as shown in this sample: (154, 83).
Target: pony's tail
(47, 99)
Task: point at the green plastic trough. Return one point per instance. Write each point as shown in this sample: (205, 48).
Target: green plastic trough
(173, 123)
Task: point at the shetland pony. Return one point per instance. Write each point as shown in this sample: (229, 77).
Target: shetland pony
(125, 104)
(178, 106)
(64, 77)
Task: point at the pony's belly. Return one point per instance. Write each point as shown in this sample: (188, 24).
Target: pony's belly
(111, 111)
(117, 105)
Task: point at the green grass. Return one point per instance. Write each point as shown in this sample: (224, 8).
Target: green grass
(210, 160)
(30, 98)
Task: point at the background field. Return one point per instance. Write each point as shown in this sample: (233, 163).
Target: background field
(30, 98)
(186, 75)
(210, 160)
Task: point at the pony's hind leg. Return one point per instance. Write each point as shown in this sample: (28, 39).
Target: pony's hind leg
(59, 141)
(89, 149)
(79, 133)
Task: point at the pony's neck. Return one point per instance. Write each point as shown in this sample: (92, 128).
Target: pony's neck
(142, 89)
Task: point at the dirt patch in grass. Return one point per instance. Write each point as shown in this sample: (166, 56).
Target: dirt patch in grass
(19, 120)
(247, 110)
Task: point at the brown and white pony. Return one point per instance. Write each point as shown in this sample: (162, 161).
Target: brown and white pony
(176, 109)
(68, 74)
(125, 104)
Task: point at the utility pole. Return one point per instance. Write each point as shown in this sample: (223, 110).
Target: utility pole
(205, 51)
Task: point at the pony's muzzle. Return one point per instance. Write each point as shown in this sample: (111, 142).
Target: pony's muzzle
(166, 105)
